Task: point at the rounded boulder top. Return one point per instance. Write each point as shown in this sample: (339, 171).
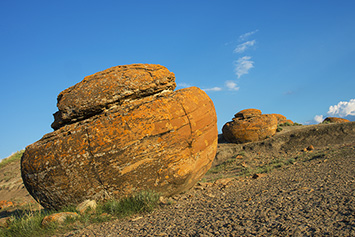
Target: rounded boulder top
(113, 85)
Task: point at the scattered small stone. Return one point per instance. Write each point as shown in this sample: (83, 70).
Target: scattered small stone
(255, 176)
(58, 217)
(198, 187)
(310, 148)
(245, 165)
(176, 198)
(4, 222)
(86, 205)
(5, 204)
(165, 200)
(137, 218)
(105, 215)
(223, 182)
(210, 195)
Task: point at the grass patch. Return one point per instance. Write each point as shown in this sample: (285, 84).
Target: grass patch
(285, 124)
(28, 222)
(142, 202)
(14, 157)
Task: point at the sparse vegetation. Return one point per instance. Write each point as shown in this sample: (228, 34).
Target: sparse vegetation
(142, 202)
(279, 129)
(27, 222)
(239, 168)
(13, 157)
(287, 124)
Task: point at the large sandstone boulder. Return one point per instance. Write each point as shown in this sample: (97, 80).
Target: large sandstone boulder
(250, 125)
(119, 132)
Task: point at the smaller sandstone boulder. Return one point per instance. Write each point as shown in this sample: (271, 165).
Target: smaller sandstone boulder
(250, 125)
(250, 129)
(335, 120)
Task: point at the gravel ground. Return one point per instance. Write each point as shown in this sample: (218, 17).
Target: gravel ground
(308, 198)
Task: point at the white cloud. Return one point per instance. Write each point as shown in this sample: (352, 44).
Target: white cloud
(213, 89)
(318, 118)
(343, 109)
(244, 46)
(231, 85)
(246, 35)
(183, 85)
(243, 65)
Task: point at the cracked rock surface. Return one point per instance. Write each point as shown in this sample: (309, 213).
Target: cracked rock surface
(121, 131)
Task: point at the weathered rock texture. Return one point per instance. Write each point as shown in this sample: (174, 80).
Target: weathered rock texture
(335, 120)
(112, 86)
(144, 137)
(251, 125)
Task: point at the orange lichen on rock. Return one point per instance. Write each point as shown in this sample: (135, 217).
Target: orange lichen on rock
(164, 142)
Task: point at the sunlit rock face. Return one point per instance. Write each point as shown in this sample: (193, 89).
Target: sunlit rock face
(121, 131)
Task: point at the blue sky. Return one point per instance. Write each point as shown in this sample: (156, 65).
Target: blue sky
(296, 58)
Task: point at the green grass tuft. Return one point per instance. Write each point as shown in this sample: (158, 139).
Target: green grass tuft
(142, 202)
(28, 222)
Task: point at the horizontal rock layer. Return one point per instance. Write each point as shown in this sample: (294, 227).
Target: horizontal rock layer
(115, 85)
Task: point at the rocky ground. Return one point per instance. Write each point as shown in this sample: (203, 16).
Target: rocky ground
(299, 192)
(314, 197)
(301, 182)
